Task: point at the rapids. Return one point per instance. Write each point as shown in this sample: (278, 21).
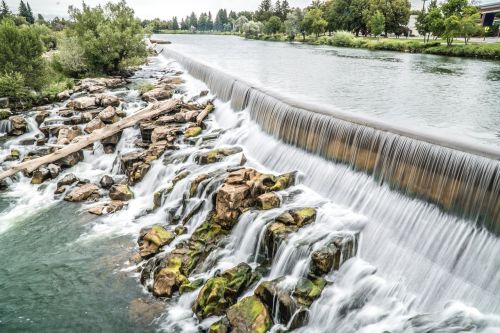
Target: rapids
(418, 267)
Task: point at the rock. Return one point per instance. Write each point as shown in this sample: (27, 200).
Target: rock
(60, 190)
(216, 155)
(249, 316)
(41, 116)
(71, 159)
(107, 208)
(192, 132)
(164, 133)
(67, 134)
(307, 290)
(4, 102)
(332, 255)
(144, 311)
(191, 286)
(285, 224)
(106, 182)
(221, 326)
(190, 116)
(13, 155)
(19, 126)
(64, 95)
(170, 278)
(40, 175)
(107, 115)
(120, 192)
(68, 179)
(222, 291)
(93, 125)
(112, 140)
(153, 239)
(268, 200)
(157, 94)
(54, 170)
(108, 100)
(82, 193)
(180, 230)
(83, 103)
(281, 304)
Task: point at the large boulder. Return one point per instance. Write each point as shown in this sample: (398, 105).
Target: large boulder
(71, 159)
(332, 255)
(64, 95)
(83, 103)
(41, 116)
(222, 291)
(19, 126)
(106, 182)
(121, 192)
(94, 124)
(108, 100)
(152, 239)
(67, 134)
(107, 208)
(108, 115)
(83, 193)
(68, 179)
(157, 94)
(249, 315)
(192, 132)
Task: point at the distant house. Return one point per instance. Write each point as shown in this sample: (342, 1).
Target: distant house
(490, 13)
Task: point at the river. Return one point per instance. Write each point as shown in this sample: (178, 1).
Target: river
(418, 269)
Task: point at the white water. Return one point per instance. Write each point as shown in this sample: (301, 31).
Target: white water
(413, 259)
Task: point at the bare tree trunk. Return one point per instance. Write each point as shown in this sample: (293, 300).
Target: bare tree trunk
(83, 141)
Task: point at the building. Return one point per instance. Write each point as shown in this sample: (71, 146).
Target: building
(489, 13)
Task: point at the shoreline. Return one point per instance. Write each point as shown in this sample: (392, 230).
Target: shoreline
(481, 51)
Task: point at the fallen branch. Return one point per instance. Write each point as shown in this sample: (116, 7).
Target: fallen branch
(204, 113)
(83, 141)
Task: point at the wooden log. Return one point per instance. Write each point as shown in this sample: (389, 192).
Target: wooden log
(83, 141)
(203, 114)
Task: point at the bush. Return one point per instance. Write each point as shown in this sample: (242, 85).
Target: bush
(12, 85)
(71, 57)
(145, 87)
(343, 39)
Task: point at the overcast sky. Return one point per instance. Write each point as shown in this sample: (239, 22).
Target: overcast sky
(149, 8)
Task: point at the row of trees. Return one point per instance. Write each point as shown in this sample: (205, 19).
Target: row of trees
(451, 19)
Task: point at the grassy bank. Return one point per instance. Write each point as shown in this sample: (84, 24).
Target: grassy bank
(438, 47)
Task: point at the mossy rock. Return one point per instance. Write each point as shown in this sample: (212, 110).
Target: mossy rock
(192, 132)
(221, 326)
(222, 291)
(191, 286)
(159, 236)
(216, 155)
(5, 114)
(284, 181)
(249, 315)
(308, 290)
(169, 279)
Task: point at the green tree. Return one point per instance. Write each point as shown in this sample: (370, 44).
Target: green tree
(314, 22)
(21, 52)
(469, 26)
(30, 17)
(435, 20)
(193, 21)
(110, 36)
(265, 11)
(293, 23)
(175, 23)
(252, 29)
(210, 22)
(273, 25)
(423, 26)
(454, 7)
(452, 28)
(4, 10)
(356, 19)
(376, 23)
(238, 24)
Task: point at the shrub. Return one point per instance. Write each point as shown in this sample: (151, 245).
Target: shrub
(145, 87)
(71, 57)
(342, 38)
(12, 85)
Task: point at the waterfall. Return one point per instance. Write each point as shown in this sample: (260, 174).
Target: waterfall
(5, 126)
(461, 178)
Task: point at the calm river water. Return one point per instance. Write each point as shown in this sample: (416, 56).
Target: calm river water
(449, 96)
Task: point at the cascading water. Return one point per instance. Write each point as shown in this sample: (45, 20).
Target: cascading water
(416, 268)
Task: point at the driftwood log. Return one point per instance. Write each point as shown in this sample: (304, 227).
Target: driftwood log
(83, 141)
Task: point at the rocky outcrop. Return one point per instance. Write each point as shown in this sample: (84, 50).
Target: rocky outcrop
(83, 103)
(121, 192)
(222, 291)
(152, 239)
(19, 126)
(249, 315)
(108, 115)
(83, 193)
(44, 173)
(157, 94)
(107, 100)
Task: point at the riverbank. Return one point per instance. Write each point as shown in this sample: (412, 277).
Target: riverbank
(489, 51)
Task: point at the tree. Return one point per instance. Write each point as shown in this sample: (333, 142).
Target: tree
(4, 10)
(453, 7)
(175, 23)
(264, 12)
(356, 20)
(435, 21)
(277, 9)
(423, 26)
(111, 36)
(285, 9)
(193, 21)
(21, 52)
(452, 28)
(314, 22)
(30, 18)
(273, 25)
(469, 26)
(184, 25)
(252, 29)
(210, 22)
(293, 23)
(203, 22)
(376, 23)
(238, 24)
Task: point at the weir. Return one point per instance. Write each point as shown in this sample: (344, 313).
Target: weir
(459, 177)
